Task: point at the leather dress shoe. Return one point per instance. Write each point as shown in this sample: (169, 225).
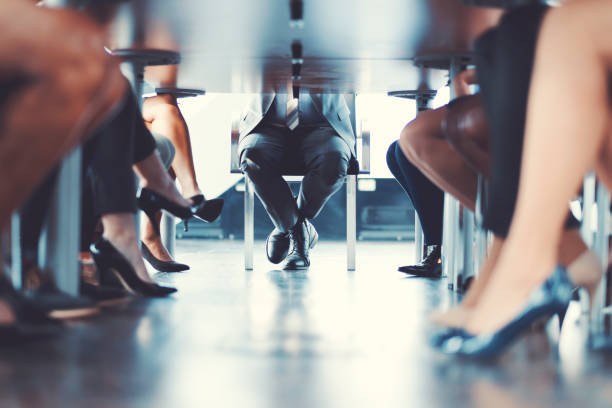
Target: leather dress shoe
(303, 237)
(430, 267)
(277, 246)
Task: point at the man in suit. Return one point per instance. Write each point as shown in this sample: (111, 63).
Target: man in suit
(309, 134)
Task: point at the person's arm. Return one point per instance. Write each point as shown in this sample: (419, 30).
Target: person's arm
(462, 82)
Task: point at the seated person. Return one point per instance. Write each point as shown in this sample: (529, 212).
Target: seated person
(70, 66)
(567, 133)
(428, 202)
(280, 134)
(503, 62)
(163, 118)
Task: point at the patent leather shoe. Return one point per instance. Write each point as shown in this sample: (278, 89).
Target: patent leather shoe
(549, 299)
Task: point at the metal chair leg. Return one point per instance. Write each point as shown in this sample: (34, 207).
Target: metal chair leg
(601, 247)
(418, 238)
(448, 238)
(63, 230)
(351, 221)
(168, 233)
(16, 261)
(588, 204)
(249, 223)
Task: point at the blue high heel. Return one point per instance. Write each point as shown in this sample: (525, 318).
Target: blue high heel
(550, 298)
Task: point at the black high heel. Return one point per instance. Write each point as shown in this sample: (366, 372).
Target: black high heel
(115, 269)
(162, 266)
(151, 203)
(207, 210)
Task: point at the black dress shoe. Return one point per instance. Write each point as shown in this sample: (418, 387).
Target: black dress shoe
(303, 238)
(277, 246)
(430, 267)
(162, 266)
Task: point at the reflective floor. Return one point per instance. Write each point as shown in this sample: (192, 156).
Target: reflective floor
(268, 338)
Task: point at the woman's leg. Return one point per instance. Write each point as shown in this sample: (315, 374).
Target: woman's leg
(163, 117)
(424, 144)
(427, 199)
(565, 136)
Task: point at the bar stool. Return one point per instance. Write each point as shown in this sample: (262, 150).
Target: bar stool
(355, 169)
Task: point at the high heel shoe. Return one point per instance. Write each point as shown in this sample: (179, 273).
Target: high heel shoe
(151, 203)
(114, 268)
(207, 210)
(162, 266)
(550, 298)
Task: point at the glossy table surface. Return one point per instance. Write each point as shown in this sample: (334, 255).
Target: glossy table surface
(268, 338)
(348, 45)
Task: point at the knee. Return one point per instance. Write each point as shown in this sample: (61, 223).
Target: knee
(162, 107)
(253, 161)
(391, 160)
(83, 71)
(330, 168)
(415, 145)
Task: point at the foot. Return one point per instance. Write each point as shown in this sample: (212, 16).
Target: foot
(303, 238)
(156, 248)
(167, 189)
(430, 266)
(277, 246)
(127, 244)
(455, 317)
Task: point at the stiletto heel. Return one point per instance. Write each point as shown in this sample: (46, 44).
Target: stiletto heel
(550, 298)
(115, 269)
(207, 210)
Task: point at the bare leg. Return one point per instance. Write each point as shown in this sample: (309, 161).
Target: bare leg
(62, 90)
(164, 118)
(564, 138)
(424, 144)
(153, 175)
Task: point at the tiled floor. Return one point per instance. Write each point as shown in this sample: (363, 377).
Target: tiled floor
(268, 338)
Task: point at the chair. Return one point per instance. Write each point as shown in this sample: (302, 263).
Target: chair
(355, 168)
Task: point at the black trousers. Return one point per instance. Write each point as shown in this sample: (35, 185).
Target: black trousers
(317, 152)
(426, 197)
(504, 62)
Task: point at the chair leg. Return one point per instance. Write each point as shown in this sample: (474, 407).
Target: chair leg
(16, 261)
(168, 233)
(62, 235)
(449, 238)
(418, 238)
(601, 247)
(351, 221)
(249, 223)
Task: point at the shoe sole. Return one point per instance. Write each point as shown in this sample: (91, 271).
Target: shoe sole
(73, 313)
